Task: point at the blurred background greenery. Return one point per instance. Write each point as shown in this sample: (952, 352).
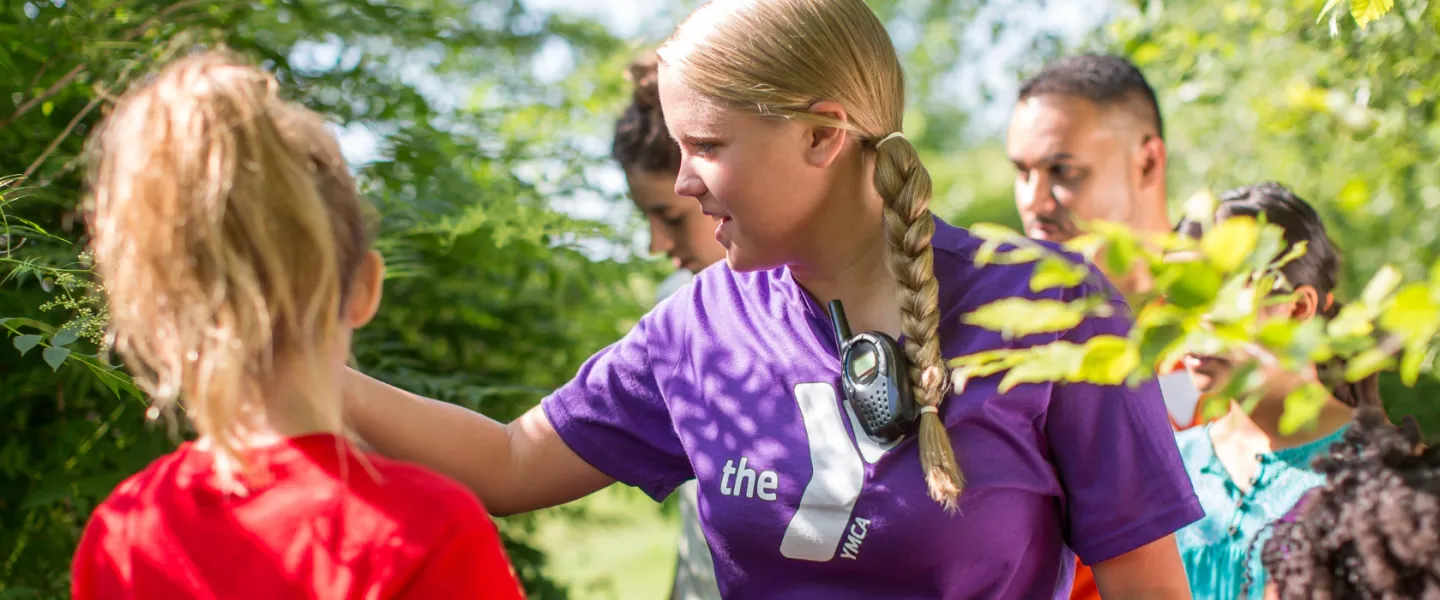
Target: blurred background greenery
(480, 128)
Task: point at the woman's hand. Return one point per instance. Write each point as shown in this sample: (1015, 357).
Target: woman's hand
(1152, 572)
(513, 468)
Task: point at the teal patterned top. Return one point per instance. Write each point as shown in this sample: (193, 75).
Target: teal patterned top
(1216, 549)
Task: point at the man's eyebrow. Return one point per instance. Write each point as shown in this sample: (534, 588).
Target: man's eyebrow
(1045, 160)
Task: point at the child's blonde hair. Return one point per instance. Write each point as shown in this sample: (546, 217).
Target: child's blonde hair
(777, 58)
(227, 229)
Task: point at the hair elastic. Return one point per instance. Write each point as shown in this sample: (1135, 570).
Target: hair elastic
(1329, 300)
(929, 409)
(888, 138)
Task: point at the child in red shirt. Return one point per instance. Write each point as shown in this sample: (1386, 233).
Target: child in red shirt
(237, 262)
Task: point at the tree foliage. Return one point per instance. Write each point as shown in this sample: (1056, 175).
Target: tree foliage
(489, 300)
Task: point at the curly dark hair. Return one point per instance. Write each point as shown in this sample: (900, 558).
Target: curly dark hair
(1373, 529)
(641, 140)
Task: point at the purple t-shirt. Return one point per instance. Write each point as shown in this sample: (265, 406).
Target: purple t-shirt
(735, 381)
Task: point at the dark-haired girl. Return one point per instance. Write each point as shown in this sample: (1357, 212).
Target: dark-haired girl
(1245, 471)
(680, 229)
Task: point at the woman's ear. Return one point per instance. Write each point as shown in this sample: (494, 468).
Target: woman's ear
(365, 291)
(824, 142)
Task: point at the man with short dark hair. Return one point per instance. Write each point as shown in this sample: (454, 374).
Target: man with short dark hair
(1088, 144)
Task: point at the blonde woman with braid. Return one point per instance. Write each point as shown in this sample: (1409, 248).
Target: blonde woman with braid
(788, 115)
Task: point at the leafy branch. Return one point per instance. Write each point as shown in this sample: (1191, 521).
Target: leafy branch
(1204, 298)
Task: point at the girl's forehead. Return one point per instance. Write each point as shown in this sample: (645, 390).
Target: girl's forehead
(687, 110)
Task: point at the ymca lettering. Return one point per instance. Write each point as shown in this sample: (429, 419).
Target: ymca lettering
(754, 484)
(858, 529)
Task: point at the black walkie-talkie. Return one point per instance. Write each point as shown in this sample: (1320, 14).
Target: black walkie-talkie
(876, 378)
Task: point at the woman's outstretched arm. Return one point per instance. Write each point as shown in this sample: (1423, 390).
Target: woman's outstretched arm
(514, 468)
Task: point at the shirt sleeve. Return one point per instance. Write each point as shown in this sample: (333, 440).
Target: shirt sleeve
(470, 562)
(1124, 483)
(613, 414)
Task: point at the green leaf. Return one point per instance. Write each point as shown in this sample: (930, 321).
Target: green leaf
(65, 336)
(47, 108)
(1296, 251)
(1413, 361)
(1019, 317)
(1302, 407)
(1053, 272)
(1200, 206)
(1190, 284)
(1053, 362)
(1381, 285)
(1367, 363)
(55, 356)
(1329, 6)
(1351, 322)
(24, 343)
(1413, 315)
(996, 233)
(1120, 256)
(1245, 380)
(1367, 11)
(1228, 244)
(1268, 244)
(1107, 360)
(1235, 302)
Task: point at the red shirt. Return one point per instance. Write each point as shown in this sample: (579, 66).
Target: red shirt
(317, 528)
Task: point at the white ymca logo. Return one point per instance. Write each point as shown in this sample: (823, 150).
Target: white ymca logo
(760, 485)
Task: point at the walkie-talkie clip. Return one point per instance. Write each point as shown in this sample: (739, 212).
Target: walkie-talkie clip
(875, 376)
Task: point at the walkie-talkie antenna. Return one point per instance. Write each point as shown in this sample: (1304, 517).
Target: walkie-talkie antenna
(842, 326)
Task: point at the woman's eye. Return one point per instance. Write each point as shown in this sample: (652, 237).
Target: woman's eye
(675, 221)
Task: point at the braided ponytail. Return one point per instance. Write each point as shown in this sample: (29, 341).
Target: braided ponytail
(905, 185)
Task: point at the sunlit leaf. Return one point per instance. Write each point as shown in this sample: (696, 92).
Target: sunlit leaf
(1367, 363)
(1269, 241)
(1229, 242)
(1381, 286)
(1019, 317)
(1325, 11)
(1414, 314)
(1107, 360)
(1200, 206)
(1298, 250)
(1243, 382)
(1367, 11)
(1414, 359)
(1189, 284)
(1351, 322)
(1302, 407)
(1235, 301)
(1053, 272)
(994, 232)
(1052, 362)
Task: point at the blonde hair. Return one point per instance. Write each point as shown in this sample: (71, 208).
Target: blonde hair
(778, 58)
(227, 229)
